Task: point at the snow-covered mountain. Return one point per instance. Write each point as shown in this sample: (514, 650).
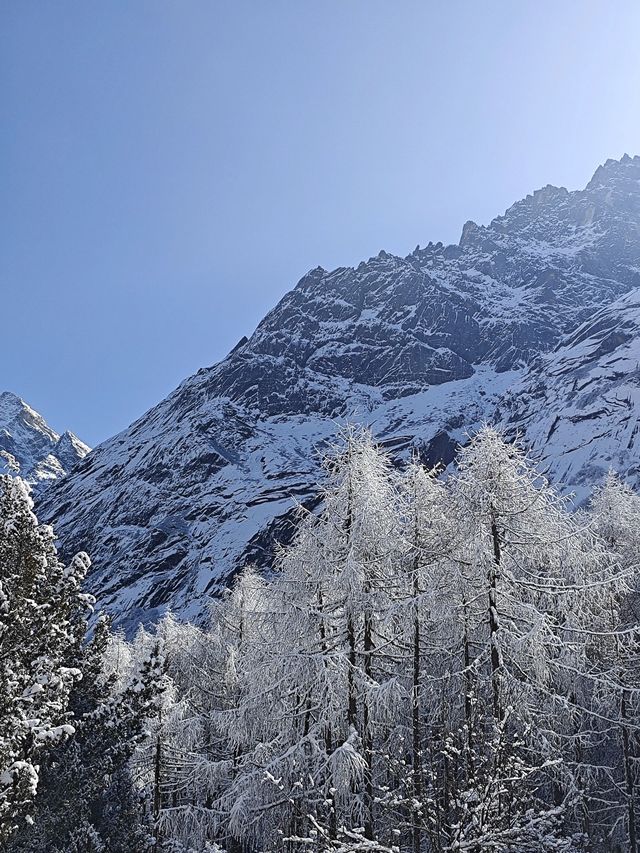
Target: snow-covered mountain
(579, 406)
(29, 447)
(422, 348)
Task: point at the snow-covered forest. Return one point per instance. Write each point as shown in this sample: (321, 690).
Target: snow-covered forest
(438, 664)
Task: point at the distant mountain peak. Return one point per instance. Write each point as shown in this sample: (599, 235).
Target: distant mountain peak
(29, 446)
(613, 172)
(70, 449)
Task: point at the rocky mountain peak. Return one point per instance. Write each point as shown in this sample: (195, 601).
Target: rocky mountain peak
(579, 406)
(30, 447)
(70, 449)
(14, 410)
(616, 174)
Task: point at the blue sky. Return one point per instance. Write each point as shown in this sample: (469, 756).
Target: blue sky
(170, 168)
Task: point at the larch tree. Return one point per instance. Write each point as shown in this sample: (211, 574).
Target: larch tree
(522, 558)
(614, 650)
(310, 707)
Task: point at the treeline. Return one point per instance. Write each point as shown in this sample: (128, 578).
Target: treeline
(436, 665)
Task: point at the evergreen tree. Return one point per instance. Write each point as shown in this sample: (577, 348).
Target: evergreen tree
(87, 794)
(42, 619)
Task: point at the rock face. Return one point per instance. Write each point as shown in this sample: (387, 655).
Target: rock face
(421, 348)
(579, 406)
(29, 447)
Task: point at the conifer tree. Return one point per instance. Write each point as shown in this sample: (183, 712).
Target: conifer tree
(42, 620)
(87, 794)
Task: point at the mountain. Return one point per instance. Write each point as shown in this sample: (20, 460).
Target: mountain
(579, 406)
(421, 348)
(29, 447)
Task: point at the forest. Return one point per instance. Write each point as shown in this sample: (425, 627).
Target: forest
(435, 664)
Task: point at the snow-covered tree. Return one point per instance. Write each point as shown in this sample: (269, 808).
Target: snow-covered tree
(436, 664)
(87, 790)
(42, 624)
(310, 687)
(612, 638)
(499, 808)
(178, 762)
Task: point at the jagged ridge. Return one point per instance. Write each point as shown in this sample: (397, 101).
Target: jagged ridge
(29, 447)
(421, 348)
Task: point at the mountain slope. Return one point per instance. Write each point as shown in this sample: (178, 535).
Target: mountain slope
(579, 406)
(29, 447)
(421, 348)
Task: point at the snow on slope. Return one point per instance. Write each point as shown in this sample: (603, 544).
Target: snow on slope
(240, 477)
(422, 348)
(29, 447)
(579, 406)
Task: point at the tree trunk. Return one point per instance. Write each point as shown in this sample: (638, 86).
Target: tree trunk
(352, 705)
(367, 740)
(416, 728)
(494, 623)
(628, 774)
(333, 823)
(157, 795)
(468, 692)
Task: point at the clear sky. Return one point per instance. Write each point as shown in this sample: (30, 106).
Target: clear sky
(170, 168)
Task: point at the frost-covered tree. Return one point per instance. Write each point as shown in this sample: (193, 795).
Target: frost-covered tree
(188, 759)
(181, 755)
(414, 652)
(436, 664)
(310, 679)
(86, 789)
(615, 509)
(546, 632)
(42, 623)
(499, 808)
(612, 638)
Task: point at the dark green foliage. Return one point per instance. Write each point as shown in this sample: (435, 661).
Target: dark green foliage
(42, 623)
(86, 795)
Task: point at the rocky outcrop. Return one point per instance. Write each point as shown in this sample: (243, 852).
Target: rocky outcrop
(579, 406)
